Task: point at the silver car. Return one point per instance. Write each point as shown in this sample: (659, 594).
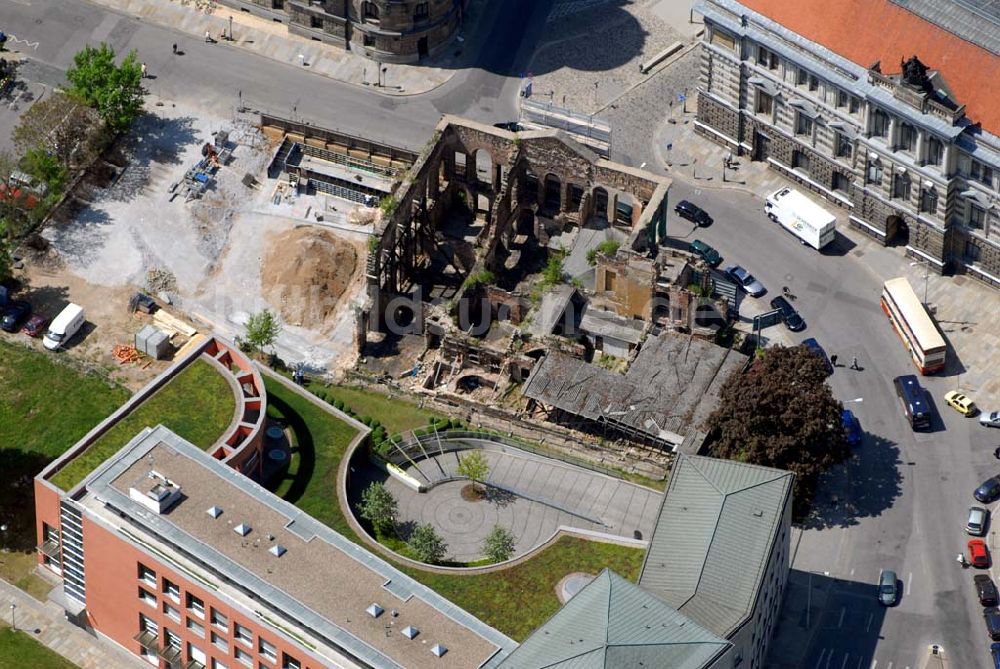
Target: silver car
(976, 525)
(990, 419)
(887, 588)
(745, 280)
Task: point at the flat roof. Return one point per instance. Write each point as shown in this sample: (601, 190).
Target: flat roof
(322, 581)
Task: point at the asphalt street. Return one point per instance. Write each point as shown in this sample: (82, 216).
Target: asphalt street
(901, 503)
(212, 76)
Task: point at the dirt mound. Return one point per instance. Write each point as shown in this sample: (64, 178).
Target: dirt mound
(306, 270)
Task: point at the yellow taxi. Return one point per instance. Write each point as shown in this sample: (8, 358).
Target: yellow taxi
(960, 403)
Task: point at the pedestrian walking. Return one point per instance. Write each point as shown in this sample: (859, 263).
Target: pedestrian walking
(854, 363)
(143, 70)
(208, 37)
(175, 48)
(996, 453)
(833, 360)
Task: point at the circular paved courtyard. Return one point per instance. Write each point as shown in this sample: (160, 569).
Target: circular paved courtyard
(532, 496)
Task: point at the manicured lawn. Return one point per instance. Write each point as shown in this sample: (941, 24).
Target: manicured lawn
(45, 405)
(197, 404)
(19, 651)
(518, 600)
(319, 442)
(515, 601)
(396, 414)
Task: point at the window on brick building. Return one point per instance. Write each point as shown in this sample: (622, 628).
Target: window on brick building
(172, 590)
(243, 634)
(220, 642)
(244, 657)
(196, 627)
(842, 145)
(219, 620)
(935, 151)
(842, 98)
(147, 576)
(172, 612)
(977, 216)
(764, 103)
(147, 597)
(928, 200)
(981, 172)
(803, 124)
(880, 123)
(289, 662)
(901, 186)
(267, 649)
(766, 58)
(907, 137)
(855, 105)
(813, 82)
(874, 173)
(195, 606)
(316, 21)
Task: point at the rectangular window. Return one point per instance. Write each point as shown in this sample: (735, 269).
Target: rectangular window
(801, 76)
(315, 21)
(219, 620)
(813, 82)
(841, 98)
(901, 186)
(147, 576)
(843, 146)
(907, 137)
(977, 216)
(981, 172)
(767, 59)
(875, 172)
(855, 104)
(972, 251)
(800, 160)
(765, 103)
(928, 200)
(841, 182)
(289, 662)
(196, 627)
(244, 657)
(172, 639)
(803, 124)
(880, 123)
(722, 38)
(172, 612)
(147, 597)
(220, 642)
(935, 151)
(172, 589)
(195, 606)
(196, 654)
(148, 625)
(243, 634)
(218, 665)
(421, 12)
(150, 656)
(267, 649)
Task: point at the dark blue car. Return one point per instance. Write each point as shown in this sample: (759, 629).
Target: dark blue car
(995, 653)
(852, 427)
(814, 346)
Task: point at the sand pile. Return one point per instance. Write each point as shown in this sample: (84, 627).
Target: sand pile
(305, 271)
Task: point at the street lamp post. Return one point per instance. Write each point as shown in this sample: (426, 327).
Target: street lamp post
(13, 620)
(3, 531)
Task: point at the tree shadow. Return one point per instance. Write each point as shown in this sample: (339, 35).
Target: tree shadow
(863, 486)
(47, 300)
(17, 497)
(499, 497)
(303, 445)
(79, 230)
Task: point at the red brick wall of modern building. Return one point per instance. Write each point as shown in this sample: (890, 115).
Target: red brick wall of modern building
(46, 510)
(113, 605)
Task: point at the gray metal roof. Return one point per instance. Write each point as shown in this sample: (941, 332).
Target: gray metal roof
(713, 537)
(613, 623)
(313, 549)
(976, 21)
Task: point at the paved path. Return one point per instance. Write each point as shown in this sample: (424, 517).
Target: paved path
(47, 623)
(533, 497)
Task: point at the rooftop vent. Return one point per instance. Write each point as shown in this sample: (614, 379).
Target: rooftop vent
(215, 511)
(277, 550)
(410, 632)
(242, 529)
(155, 492)
(438, 649)
(375, 610)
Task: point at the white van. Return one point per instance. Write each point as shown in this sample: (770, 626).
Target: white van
(64, 326)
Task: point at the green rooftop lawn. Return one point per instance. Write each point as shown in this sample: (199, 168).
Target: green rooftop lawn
(396, 414)
(515, 601)
(19, 651)
(197, 404)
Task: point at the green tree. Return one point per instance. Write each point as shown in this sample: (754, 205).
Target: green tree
(609, 247)
(45, 168)
(427, 545)
(6, 257)
(115, 91)
(781, 413)
(498, 544)
(64, 127)
(262, 330)
(379, 507)
(474, 466)
(553, 272)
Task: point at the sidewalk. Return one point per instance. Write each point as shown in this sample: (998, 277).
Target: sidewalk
(47, 624)
(963, 308)
(272, 40)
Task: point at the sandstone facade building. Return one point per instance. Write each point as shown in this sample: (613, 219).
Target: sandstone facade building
(889, 109)
(389, 31)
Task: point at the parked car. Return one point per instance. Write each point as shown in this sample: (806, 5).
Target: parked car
(814, 346)
(990, 419)
(988, 491)
(991, 616)
(986, 590)
(852, 427)
(995, 654)
(707, 253)
(35, 327)
(791, 317)
(14, 314)
(960, 402)
(693, 213)
(979, 555)
(745, 280)
(887, 587)
(976, 524)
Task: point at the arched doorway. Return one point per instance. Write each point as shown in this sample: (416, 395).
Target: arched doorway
(897, 232)
(484, 166)
(553, 193)
(601, 203)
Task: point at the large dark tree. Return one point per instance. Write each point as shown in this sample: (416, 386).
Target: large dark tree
(781, 413)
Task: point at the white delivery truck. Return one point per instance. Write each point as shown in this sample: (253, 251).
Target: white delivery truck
(805, 219)
(63, 327)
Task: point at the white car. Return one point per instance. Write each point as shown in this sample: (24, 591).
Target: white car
(990, 419)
